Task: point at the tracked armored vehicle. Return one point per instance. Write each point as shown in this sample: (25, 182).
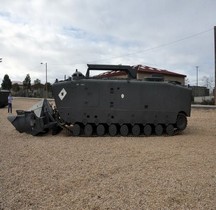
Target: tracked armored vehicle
(89, 106)
(98, 106)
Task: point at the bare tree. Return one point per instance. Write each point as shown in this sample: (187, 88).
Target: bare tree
(208, 82)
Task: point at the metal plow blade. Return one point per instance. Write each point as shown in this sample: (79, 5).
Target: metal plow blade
(38, 119)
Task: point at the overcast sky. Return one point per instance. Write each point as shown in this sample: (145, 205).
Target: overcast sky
(176, 35)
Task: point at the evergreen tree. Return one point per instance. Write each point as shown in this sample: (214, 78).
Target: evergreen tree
(37, 88)
(6, 83)
(37, 81)
(37, 84)
(15, 87)
(27, 82)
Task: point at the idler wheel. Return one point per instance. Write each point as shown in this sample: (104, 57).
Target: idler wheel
(124, 130)
(136, 130)
(113, 130)
(181, 122)
(147, 130)
(159, 130)
(100, 130)
(170, 130)
(88, 130)
(76, 129)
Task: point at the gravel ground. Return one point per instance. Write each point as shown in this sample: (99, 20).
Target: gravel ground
(64, 172)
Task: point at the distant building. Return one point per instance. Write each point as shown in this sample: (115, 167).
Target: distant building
(145, 72)
(198, 91)
(19, 83)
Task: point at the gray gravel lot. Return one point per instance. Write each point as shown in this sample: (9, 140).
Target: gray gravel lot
(64, 172)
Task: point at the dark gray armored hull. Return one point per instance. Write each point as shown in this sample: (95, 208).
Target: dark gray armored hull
(125, 106)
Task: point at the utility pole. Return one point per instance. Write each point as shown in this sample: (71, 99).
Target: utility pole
(197, 77)
(215, 64)
(46, 80)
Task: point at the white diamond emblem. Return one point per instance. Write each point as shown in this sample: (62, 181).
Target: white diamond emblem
(62, 94)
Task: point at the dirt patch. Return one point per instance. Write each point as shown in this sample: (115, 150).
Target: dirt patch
(63, 172)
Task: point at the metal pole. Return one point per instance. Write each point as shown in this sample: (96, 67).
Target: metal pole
(46, 91)
(46, 81)
(197, 79)
(215, 63)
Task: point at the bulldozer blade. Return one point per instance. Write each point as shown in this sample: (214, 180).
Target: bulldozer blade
(37, 120)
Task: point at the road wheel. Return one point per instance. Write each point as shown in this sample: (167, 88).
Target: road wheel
(136, 130)
(100, 130)
(76, 129)
(147, 130)
(88, 130)
(124, 130)
(113, 130)
(181, 122)
(170, 130)
(159, 130)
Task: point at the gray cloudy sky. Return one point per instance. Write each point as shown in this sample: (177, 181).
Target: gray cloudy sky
(176, 35)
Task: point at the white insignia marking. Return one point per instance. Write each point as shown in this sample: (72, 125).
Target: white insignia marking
(122, 95)
(62, 94)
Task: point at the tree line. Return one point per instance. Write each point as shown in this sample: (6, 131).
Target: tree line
(26, 88)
